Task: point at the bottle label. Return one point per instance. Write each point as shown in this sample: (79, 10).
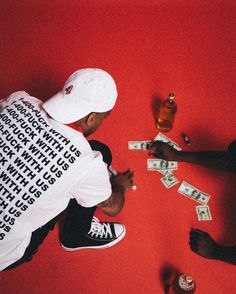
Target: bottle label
(184, 284)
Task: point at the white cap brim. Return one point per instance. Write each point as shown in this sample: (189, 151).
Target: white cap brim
(57, 105)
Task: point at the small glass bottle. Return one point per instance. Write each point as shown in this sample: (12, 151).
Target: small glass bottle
(166, 116)
(182, 284)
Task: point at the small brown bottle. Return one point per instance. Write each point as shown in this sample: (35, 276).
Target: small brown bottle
(166, 116)
(182, 284)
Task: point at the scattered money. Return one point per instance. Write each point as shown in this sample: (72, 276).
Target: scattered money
(114, 173)
(186, 139)
(193, 193)
(165, 139)
(161, 164)
(169, 180)
(139, 145)
(203, 213)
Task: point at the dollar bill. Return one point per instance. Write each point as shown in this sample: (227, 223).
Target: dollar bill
(160, 164)
(139, 145)
(203, 213)
(169, 180)
(193, 193)
(165, 139)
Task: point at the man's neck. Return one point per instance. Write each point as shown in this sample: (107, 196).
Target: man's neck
(76, 127)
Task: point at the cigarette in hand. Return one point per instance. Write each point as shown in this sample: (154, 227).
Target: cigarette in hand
(114, 173)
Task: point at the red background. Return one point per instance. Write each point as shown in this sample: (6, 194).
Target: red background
(151, 48)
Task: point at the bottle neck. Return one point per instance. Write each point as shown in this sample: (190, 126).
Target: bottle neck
(171, 98)
(171, 101)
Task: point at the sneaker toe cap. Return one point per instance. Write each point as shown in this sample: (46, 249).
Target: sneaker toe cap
(119, 230)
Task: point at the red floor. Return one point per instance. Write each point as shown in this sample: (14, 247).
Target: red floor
(151, 48)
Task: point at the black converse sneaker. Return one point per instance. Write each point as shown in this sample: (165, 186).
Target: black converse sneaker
(101, 236)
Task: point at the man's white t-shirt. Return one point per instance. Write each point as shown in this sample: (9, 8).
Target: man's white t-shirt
(43, 164)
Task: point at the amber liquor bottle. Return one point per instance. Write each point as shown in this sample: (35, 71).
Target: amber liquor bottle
(166, 115)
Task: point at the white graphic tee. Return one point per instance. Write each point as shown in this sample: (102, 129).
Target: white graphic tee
(43, 164)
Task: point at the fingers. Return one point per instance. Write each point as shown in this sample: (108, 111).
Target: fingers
(129, 173)
(201, 239)
(154, 153)
(193, 241)
(198, 233)
(195, 237)
(156, 145)
(156, 149)
(193, 247)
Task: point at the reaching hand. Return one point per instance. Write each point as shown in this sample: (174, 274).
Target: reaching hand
(122, 182)
(163, 150)
(201, 243)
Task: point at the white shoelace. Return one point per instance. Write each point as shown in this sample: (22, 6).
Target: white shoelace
(100, 230)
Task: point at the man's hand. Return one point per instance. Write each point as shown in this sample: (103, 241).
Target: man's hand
(163, 150)
(201, 243)
(122, 182)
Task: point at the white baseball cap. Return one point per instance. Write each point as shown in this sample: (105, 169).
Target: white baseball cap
(87, 90)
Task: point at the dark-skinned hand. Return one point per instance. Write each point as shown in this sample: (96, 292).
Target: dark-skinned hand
(164, 151)
(122, 182)
(201, 243)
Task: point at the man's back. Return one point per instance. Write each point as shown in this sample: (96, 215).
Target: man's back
(42, 165)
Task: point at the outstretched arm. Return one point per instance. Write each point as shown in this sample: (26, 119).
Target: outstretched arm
(209, 159)
(202, 244)
(220, 160)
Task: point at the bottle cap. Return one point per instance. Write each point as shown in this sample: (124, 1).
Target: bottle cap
(189, 279)
(186, 282)
(171, 96)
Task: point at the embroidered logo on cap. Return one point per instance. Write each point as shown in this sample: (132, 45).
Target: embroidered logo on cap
(68, 90)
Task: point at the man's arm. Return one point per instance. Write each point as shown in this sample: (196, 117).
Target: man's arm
(226, 254)
(202, 244)
(113, 205)
(121, 183)
(220, 160)
(209, 159)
